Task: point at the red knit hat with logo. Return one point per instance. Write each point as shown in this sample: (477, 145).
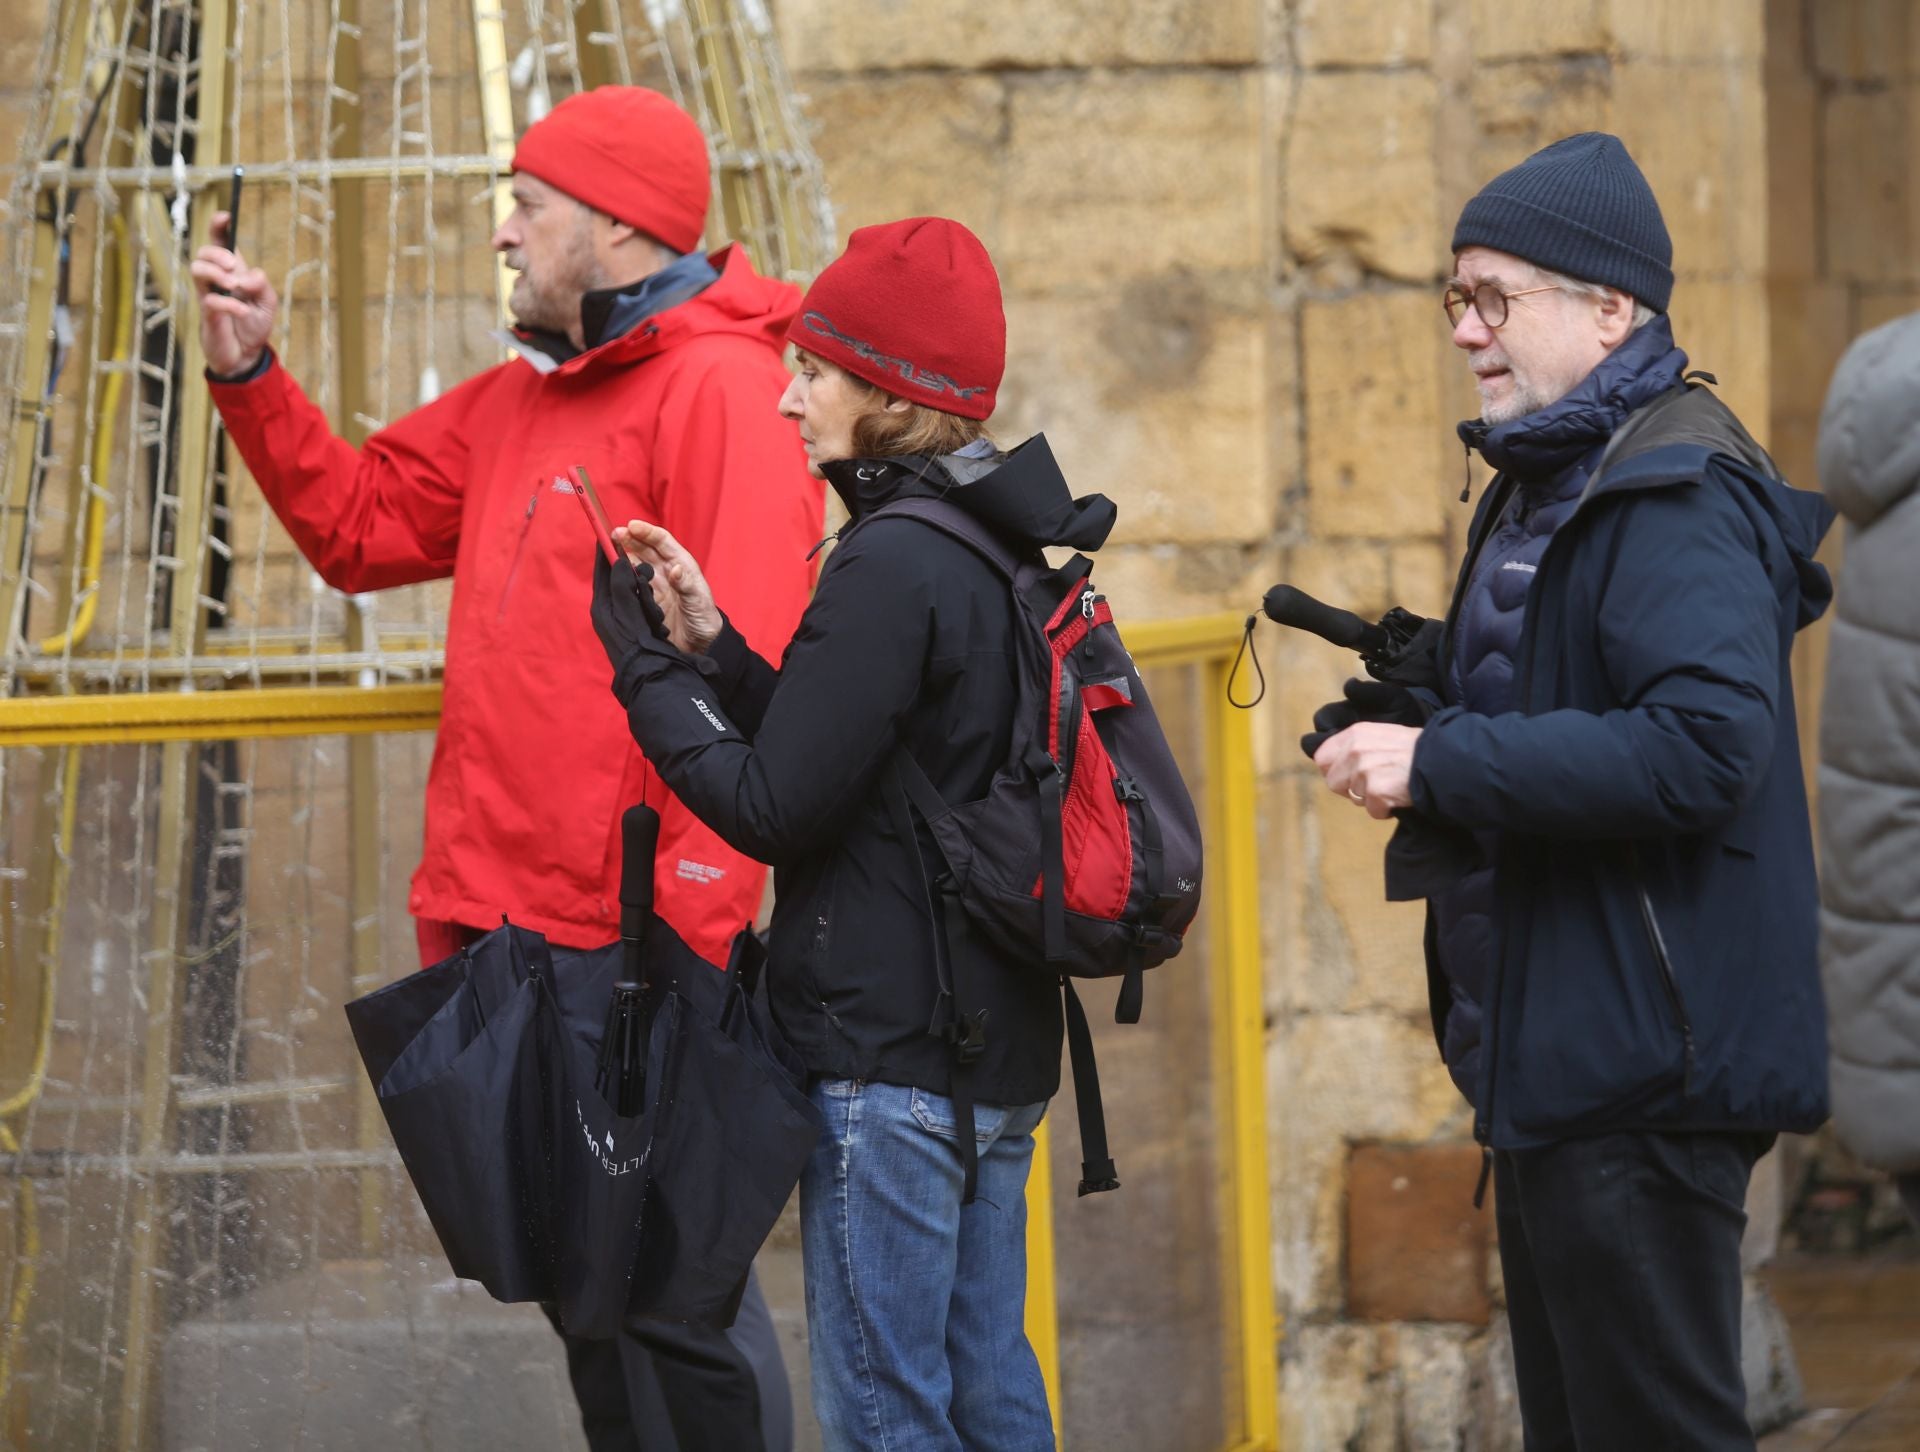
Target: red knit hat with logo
(912, 307)
(629, 152)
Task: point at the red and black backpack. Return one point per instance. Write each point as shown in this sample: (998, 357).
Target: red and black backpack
(1083, 858)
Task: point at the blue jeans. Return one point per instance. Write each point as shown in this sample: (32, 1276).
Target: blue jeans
(916, 1303)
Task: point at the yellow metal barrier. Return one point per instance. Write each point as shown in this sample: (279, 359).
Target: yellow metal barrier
(217, 715)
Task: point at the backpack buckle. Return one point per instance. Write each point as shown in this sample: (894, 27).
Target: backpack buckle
(968, 1035)
(1128, 790)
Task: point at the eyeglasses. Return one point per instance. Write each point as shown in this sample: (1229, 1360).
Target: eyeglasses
(1487, 300)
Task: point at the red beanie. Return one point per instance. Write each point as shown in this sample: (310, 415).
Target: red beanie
(912, 307)
(628, 152)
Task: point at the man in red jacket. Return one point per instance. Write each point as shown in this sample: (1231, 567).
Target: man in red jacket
(657, 369)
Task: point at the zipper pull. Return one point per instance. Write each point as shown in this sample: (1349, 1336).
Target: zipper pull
(822, 545)
(1086, 602)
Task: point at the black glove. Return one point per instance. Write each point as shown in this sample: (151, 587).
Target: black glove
(1365, 700)
(1414, 657)
(628, 621)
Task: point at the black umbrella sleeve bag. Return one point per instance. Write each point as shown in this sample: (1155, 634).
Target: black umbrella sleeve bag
(466, 1101)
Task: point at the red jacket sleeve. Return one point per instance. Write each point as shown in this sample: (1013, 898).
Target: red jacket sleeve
(366, 519)
(732, 486)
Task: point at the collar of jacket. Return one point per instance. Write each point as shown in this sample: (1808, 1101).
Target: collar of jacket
(614, 311)
(1539, 445)
(734, 299)
(1021, 495)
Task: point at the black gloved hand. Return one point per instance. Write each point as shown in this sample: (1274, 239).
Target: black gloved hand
(1365, 700)
(627, 619)
(1415, 658)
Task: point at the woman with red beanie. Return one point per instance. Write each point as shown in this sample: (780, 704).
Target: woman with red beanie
(915, 1288)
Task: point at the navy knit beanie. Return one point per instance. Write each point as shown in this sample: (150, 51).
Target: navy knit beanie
(1582, 207)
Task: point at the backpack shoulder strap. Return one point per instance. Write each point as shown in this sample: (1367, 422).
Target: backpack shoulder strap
(1689, 413)
(951, 519)
(1698, 416)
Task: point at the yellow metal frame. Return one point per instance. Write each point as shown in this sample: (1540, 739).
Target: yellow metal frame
(223, 715)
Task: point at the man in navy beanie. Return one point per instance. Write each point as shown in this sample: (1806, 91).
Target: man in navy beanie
(1621, 956)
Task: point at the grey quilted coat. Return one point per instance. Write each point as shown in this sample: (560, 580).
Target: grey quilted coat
(1870, 750)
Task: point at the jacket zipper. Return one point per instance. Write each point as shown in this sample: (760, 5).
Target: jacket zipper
(1483, 1116)
(1483, 1121)
(1067, 707)
(519, 549)
(1657, 941)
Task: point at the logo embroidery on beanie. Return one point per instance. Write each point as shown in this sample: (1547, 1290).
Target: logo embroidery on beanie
(911, 372)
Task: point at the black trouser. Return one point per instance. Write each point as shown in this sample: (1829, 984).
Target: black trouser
(664, 1386)
(1622, 1261)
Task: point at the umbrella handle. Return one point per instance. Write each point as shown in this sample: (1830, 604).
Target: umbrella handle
(639, 839)
(1294, 607)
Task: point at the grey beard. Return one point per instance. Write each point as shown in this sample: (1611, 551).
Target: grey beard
(1523, 401)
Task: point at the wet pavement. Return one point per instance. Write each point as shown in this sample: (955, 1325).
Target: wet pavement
(1856, 1335)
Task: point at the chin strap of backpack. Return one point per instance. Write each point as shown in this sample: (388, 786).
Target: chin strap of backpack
(908, 790)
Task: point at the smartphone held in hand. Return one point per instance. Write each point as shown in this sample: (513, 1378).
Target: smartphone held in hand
(583, 490)
(233, 219)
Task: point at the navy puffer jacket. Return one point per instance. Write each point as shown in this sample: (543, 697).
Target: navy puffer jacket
(1652, 908)
(1549, 454)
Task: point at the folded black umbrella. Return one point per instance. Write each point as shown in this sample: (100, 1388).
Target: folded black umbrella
(489, 1070)
(457, 1056)
(729, 1131)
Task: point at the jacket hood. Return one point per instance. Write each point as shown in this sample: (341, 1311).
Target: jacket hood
(1542, 443)
(738, 301)
(1869, 447)
(1800, 519)
(1022, 496)
(1788, 523)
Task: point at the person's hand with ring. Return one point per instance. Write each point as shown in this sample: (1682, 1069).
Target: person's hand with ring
(1371, 764)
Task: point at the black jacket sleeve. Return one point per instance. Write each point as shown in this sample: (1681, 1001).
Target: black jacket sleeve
(828, 725)
(744, 679)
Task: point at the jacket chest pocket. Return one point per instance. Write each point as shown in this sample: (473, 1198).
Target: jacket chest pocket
(536, 559)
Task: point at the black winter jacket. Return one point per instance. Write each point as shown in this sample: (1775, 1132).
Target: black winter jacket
(909, 640)
(1548, 456)
(1654, 893)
